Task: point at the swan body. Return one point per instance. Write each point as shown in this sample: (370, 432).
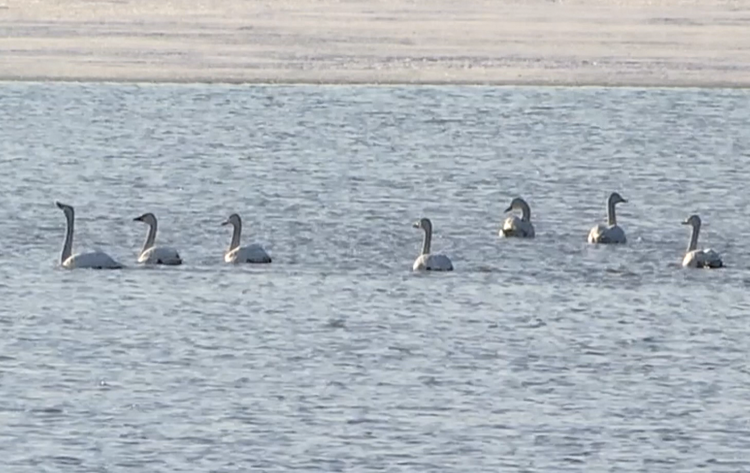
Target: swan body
(694, 258)
(243, 254)
(610, 233)
(426, 261)
(151, 254)
(518, 227)
(160, 255)
(607, 234)
(93, 260)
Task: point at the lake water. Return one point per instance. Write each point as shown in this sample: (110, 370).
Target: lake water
(536, 356)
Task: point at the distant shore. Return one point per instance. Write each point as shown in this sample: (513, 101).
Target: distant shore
(656, 43)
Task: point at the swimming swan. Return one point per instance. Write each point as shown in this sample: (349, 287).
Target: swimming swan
(609, 233)
(151, 254)
(93, 260)
(243, 254)
(427, 261)
(518, 227)
(706, 258)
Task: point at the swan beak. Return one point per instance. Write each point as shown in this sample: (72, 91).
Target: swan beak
(138, 219)
(509, 209)
(415, 225)
(225, 223)
(59, 205)
(685, 222)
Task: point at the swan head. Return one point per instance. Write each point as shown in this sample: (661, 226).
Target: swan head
(693, 221)
(148, 218)
(517, 204)
(423, 223)
(616, 198)
(233, 219)
(67, 209)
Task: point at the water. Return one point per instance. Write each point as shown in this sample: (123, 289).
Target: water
(537, 356)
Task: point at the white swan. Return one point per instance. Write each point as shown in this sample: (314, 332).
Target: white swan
(427, 261)
(151, 254)
(609, 233)
(706, 258)
(518, 227)
(93, 260)
(243, 254)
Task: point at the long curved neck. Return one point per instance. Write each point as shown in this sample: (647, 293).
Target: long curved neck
(427, 241)
(525, 212)
(694, 238)
(68, 245)
(236, 236)
(150, 238)
(611, 219)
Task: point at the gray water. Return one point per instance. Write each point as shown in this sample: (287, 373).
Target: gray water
(538, 356)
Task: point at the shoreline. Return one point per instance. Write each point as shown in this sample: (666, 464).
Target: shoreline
(542, 43)
(294, 83)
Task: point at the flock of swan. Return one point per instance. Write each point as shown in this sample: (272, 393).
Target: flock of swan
(151, 254)
(611, 233)
(513, 227)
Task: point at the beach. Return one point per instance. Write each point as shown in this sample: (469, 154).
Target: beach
(569, 42)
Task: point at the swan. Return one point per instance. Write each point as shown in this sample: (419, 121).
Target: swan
(243, 254)
(609, 233)
(518, 227)
(706, 258)
(427, 261)
(93, 260)
(151, 254)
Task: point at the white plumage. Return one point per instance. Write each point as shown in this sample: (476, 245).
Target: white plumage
(426, 261)
(92, 260)
(243, 254)
(151, 254)
(610, 233)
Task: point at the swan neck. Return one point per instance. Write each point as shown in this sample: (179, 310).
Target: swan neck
(150, 238)
(525, 212)
(427, 241)
(68, 245)
(611, 218)
(235, 235)
(694, 238)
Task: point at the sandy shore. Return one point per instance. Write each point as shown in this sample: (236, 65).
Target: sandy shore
(564, 42)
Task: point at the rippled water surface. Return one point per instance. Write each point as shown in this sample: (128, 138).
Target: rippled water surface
(541, 356)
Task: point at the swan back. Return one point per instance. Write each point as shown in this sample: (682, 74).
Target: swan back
(248, 254)
(707, 258)
(92, 260)
(607, 235)
(432, 263)
(160, 255)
